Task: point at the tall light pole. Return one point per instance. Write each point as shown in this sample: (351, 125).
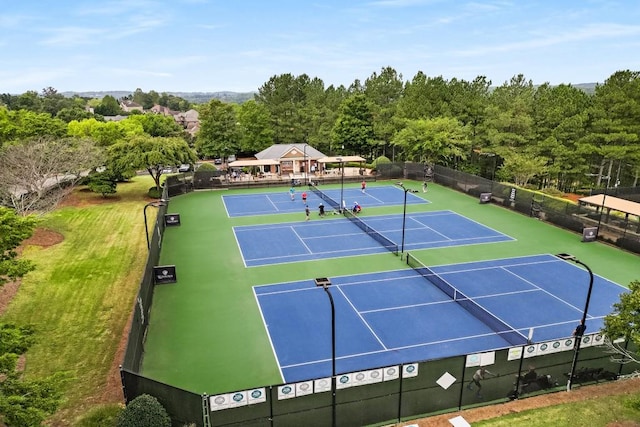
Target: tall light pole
(494, 165)
(324, 282)
(404, 211)
(579, 332)
(306, 166)
(155, 204)
(341, 184)
(604, 197)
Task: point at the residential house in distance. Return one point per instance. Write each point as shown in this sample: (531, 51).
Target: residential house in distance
(165, 111)
(129, 106)
(189, 121)
(114, 118)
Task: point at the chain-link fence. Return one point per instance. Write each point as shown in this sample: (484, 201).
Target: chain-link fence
(414, 390)
(386, 394)
(615, 228)
(210, 180)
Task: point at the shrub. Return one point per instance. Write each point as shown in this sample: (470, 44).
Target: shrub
(102, 184)
(144, 411)
(206, 167)
(553, 192)
(154, 193)
(378, 161)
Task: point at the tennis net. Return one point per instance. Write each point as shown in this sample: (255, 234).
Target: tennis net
(501, 328)
(323, 196)
(384, 241)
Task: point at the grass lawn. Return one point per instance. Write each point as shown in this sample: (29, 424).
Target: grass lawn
(80, 296)
(605, 411)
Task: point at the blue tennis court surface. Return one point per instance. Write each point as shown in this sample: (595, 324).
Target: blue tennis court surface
(272, 203)
(333, 238)
(393, 317)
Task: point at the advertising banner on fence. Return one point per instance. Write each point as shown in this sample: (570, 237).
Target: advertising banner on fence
(589, 234)
(171, 219)
(164, 274)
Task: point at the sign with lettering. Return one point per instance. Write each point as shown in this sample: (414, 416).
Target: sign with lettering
(171, 219)
(589, 234)
(164, 274)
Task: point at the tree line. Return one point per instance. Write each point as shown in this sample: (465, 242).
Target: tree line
(543, 136)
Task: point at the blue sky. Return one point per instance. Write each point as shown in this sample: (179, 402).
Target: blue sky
(237, 45)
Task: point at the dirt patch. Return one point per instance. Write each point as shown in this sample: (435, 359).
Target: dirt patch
(43, 237)
(573, 197)
(577, 394)
(112, 392)
(84, 197)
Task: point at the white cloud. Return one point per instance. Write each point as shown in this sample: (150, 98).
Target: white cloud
(27, 79)
(401, 3)
(16, 21)
(117, 7)
(71, 36)
(133, 72)
(589, 32)
(138, 25)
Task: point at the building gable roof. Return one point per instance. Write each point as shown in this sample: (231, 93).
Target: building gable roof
(282, 151)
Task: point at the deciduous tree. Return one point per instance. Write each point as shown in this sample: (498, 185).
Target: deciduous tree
(624, 323)
(219, 132)
(36, 174)
(442, 140)
(157, 124)
(109, 106)
(23, 124)
(151, 154)
(255, 130)
(354, 126)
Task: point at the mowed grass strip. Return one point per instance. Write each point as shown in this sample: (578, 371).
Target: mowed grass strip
(80, 296)
(605, 411)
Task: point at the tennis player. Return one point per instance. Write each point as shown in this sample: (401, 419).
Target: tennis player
(479, 375)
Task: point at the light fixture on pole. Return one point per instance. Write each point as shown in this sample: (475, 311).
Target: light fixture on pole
(155, 204)
(324, 282)
(404, 211)
(582, 327)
